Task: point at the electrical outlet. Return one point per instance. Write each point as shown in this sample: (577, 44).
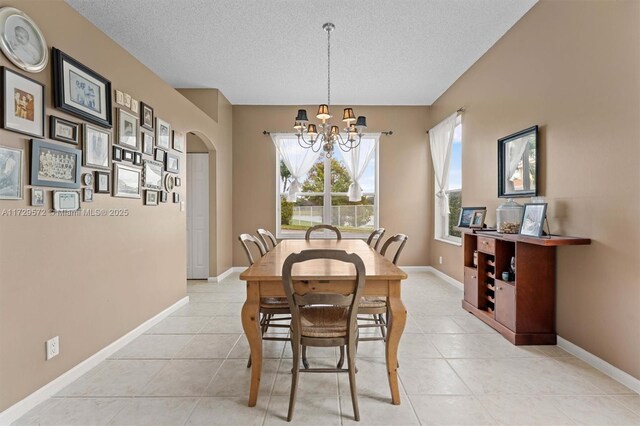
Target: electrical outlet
(440, 260)
(53, 347)
(181, 206)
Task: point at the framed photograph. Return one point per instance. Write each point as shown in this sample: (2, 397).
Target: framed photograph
(66, 201)
(127, 100)
(23, 106)
(10, 173)
(97, 145)
(55, 165)
(137, 159)
(119, 97)
(176, 197)
(22, 41)
(127, 130)
(126, 181)
(169, 182)
(518, 164)
(152, 175)
(117, 153)
(151, 198)
(80, 91)
(127, 155)
(37, 197)
(102, 183)
(87, 179)
(533, 219)
(172, 163)
(64, 130)
(87, 195)
(147, 143)
(178, 182)
(163, 197)
(146, 116)
(163, 134)
(159, 155)
(466, 214)
(477, 219)
(178, 141)
(135, 106)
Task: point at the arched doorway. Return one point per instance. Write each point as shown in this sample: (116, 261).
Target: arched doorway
(201, 207)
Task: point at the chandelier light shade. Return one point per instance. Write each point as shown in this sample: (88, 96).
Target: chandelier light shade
(329, 135)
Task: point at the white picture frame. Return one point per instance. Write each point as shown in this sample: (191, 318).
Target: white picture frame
(11, 164)
(128, 130)
(163, 134)
(66, 201)
(23, 104)
(127, 181)
(97, 147)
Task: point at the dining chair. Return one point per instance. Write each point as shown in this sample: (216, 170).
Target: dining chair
(374, 239)
(267, 237)
(324, 318)
(307, 235)
(377, 306)
(269, 306)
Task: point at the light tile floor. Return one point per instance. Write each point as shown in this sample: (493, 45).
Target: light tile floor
(191, 369)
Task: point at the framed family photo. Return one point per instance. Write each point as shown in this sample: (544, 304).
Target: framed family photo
(21, 40)
(55, 165)
(126, 181)
(477, 219)
(146, 116)
(466, 215)
(97, 146)
(23, 106)
(64, 130)
(533, 219)
(128, 130)
(80, 91)
(163, 134)
(102, 183)
(10, 173)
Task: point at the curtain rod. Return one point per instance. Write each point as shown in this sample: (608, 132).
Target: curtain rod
(461, 109)
(386, 133)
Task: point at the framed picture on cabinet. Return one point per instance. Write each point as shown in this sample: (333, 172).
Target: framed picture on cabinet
(23, 106)
(80, 91)
(163, 134)
(477, 219)
(55, 165)
(22, 41)
(97, 146)
(533, 217)
(466, 214)
(102, 183)
(10, 173)
(126, 181)
(64, 130)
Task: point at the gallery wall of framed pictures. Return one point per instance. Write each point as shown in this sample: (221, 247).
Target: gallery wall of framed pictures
(100, 140)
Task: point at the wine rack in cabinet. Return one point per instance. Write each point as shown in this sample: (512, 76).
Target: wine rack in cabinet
(521, 306)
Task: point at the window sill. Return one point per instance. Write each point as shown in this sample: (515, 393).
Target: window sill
(454, 242)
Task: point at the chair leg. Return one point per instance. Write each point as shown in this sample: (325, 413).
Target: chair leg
(249, 362)
(341, 360)
(305, 363)
(265, 323)
(294, 378)
(351, 359)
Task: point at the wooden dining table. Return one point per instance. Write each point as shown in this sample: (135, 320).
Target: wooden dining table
(264, 279)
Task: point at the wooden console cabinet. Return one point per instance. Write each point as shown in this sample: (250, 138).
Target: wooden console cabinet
(523, 310)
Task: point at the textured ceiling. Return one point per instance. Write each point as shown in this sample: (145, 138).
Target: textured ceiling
(403, 52)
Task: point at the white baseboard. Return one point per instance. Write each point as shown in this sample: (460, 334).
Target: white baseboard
(600, 364)
(222, 276)
(20, 408)
(446, 277)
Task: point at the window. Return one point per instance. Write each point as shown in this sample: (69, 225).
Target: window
(323, 197)
(444, 224)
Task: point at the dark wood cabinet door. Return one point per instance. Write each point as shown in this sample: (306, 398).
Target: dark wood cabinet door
(505, 304)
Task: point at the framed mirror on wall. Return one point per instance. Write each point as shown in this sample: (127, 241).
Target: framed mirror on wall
(518, 164)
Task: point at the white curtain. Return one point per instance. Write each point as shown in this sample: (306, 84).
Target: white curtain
(356, 161)
(441, 139)
(515, 151)
(297, 159)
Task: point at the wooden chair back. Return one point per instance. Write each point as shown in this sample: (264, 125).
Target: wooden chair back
(374, 239)
(267, 237)
(307, 235)
(247, 238)
(398, 238)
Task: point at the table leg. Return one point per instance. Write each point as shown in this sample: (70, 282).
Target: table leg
(397, 320)
(251, 326)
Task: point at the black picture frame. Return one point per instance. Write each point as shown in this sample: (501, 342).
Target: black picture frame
(127, 155)
(145, 112)
(117, 154)
(37, 179)
(137, 159)
(13, 123)
(99, 187)
(176, 197)
(53, 124)
(159, 155)
(168, 160)
(508, 144)
(466, 213)
(62, 94)
(163, 196)
(533, 216)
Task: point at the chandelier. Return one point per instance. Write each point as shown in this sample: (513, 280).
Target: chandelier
(329, 135)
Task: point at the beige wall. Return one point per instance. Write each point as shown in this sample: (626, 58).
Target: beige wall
(91, 280)
(405, 175)
(573, 68)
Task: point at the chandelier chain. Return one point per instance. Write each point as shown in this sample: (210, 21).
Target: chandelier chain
(329, 67)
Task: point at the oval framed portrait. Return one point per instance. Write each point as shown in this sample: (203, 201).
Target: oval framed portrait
(22, 41)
